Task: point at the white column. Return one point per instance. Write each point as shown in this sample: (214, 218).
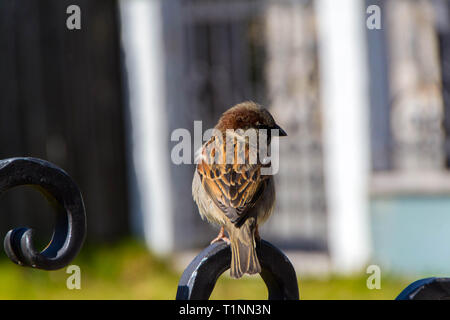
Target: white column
(345, 101)
(141, 33)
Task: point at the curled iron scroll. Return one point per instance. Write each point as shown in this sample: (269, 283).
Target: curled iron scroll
(199, 278)
(64, 195)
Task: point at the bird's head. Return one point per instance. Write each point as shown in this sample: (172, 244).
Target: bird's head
(248, 115)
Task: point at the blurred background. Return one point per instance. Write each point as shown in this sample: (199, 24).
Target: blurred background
(364, 173)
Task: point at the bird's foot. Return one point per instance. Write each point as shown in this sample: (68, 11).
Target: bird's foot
(221, 238)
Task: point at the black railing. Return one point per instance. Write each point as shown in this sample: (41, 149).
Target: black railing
(199, 278)
(427, 289)
(64, 195)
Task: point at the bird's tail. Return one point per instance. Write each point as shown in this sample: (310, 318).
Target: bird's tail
(243, 251)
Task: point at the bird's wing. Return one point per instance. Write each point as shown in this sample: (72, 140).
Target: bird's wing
(234, 188)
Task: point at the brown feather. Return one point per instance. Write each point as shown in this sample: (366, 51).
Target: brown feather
(230, 186)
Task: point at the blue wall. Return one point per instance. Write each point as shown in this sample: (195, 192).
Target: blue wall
(411, 234)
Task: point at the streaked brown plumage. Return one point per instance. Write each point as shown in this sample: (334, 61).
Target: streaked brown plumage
(236, 196)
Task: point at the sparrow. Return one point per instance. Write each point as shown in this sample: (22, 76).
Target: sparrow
(235, 195)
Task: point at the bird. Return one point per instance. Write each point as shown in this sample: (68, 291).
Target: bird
(234, 195)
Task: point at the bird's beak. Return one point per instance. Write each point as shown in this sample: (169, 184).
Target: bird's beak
(281, 132)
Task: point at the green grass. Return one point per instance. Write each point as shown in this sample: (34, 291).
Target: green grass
(129, 271)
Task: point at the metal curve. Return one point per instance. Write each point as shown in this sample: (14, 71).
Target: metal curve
(64, 195)
(199, 278)
(427, 289)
